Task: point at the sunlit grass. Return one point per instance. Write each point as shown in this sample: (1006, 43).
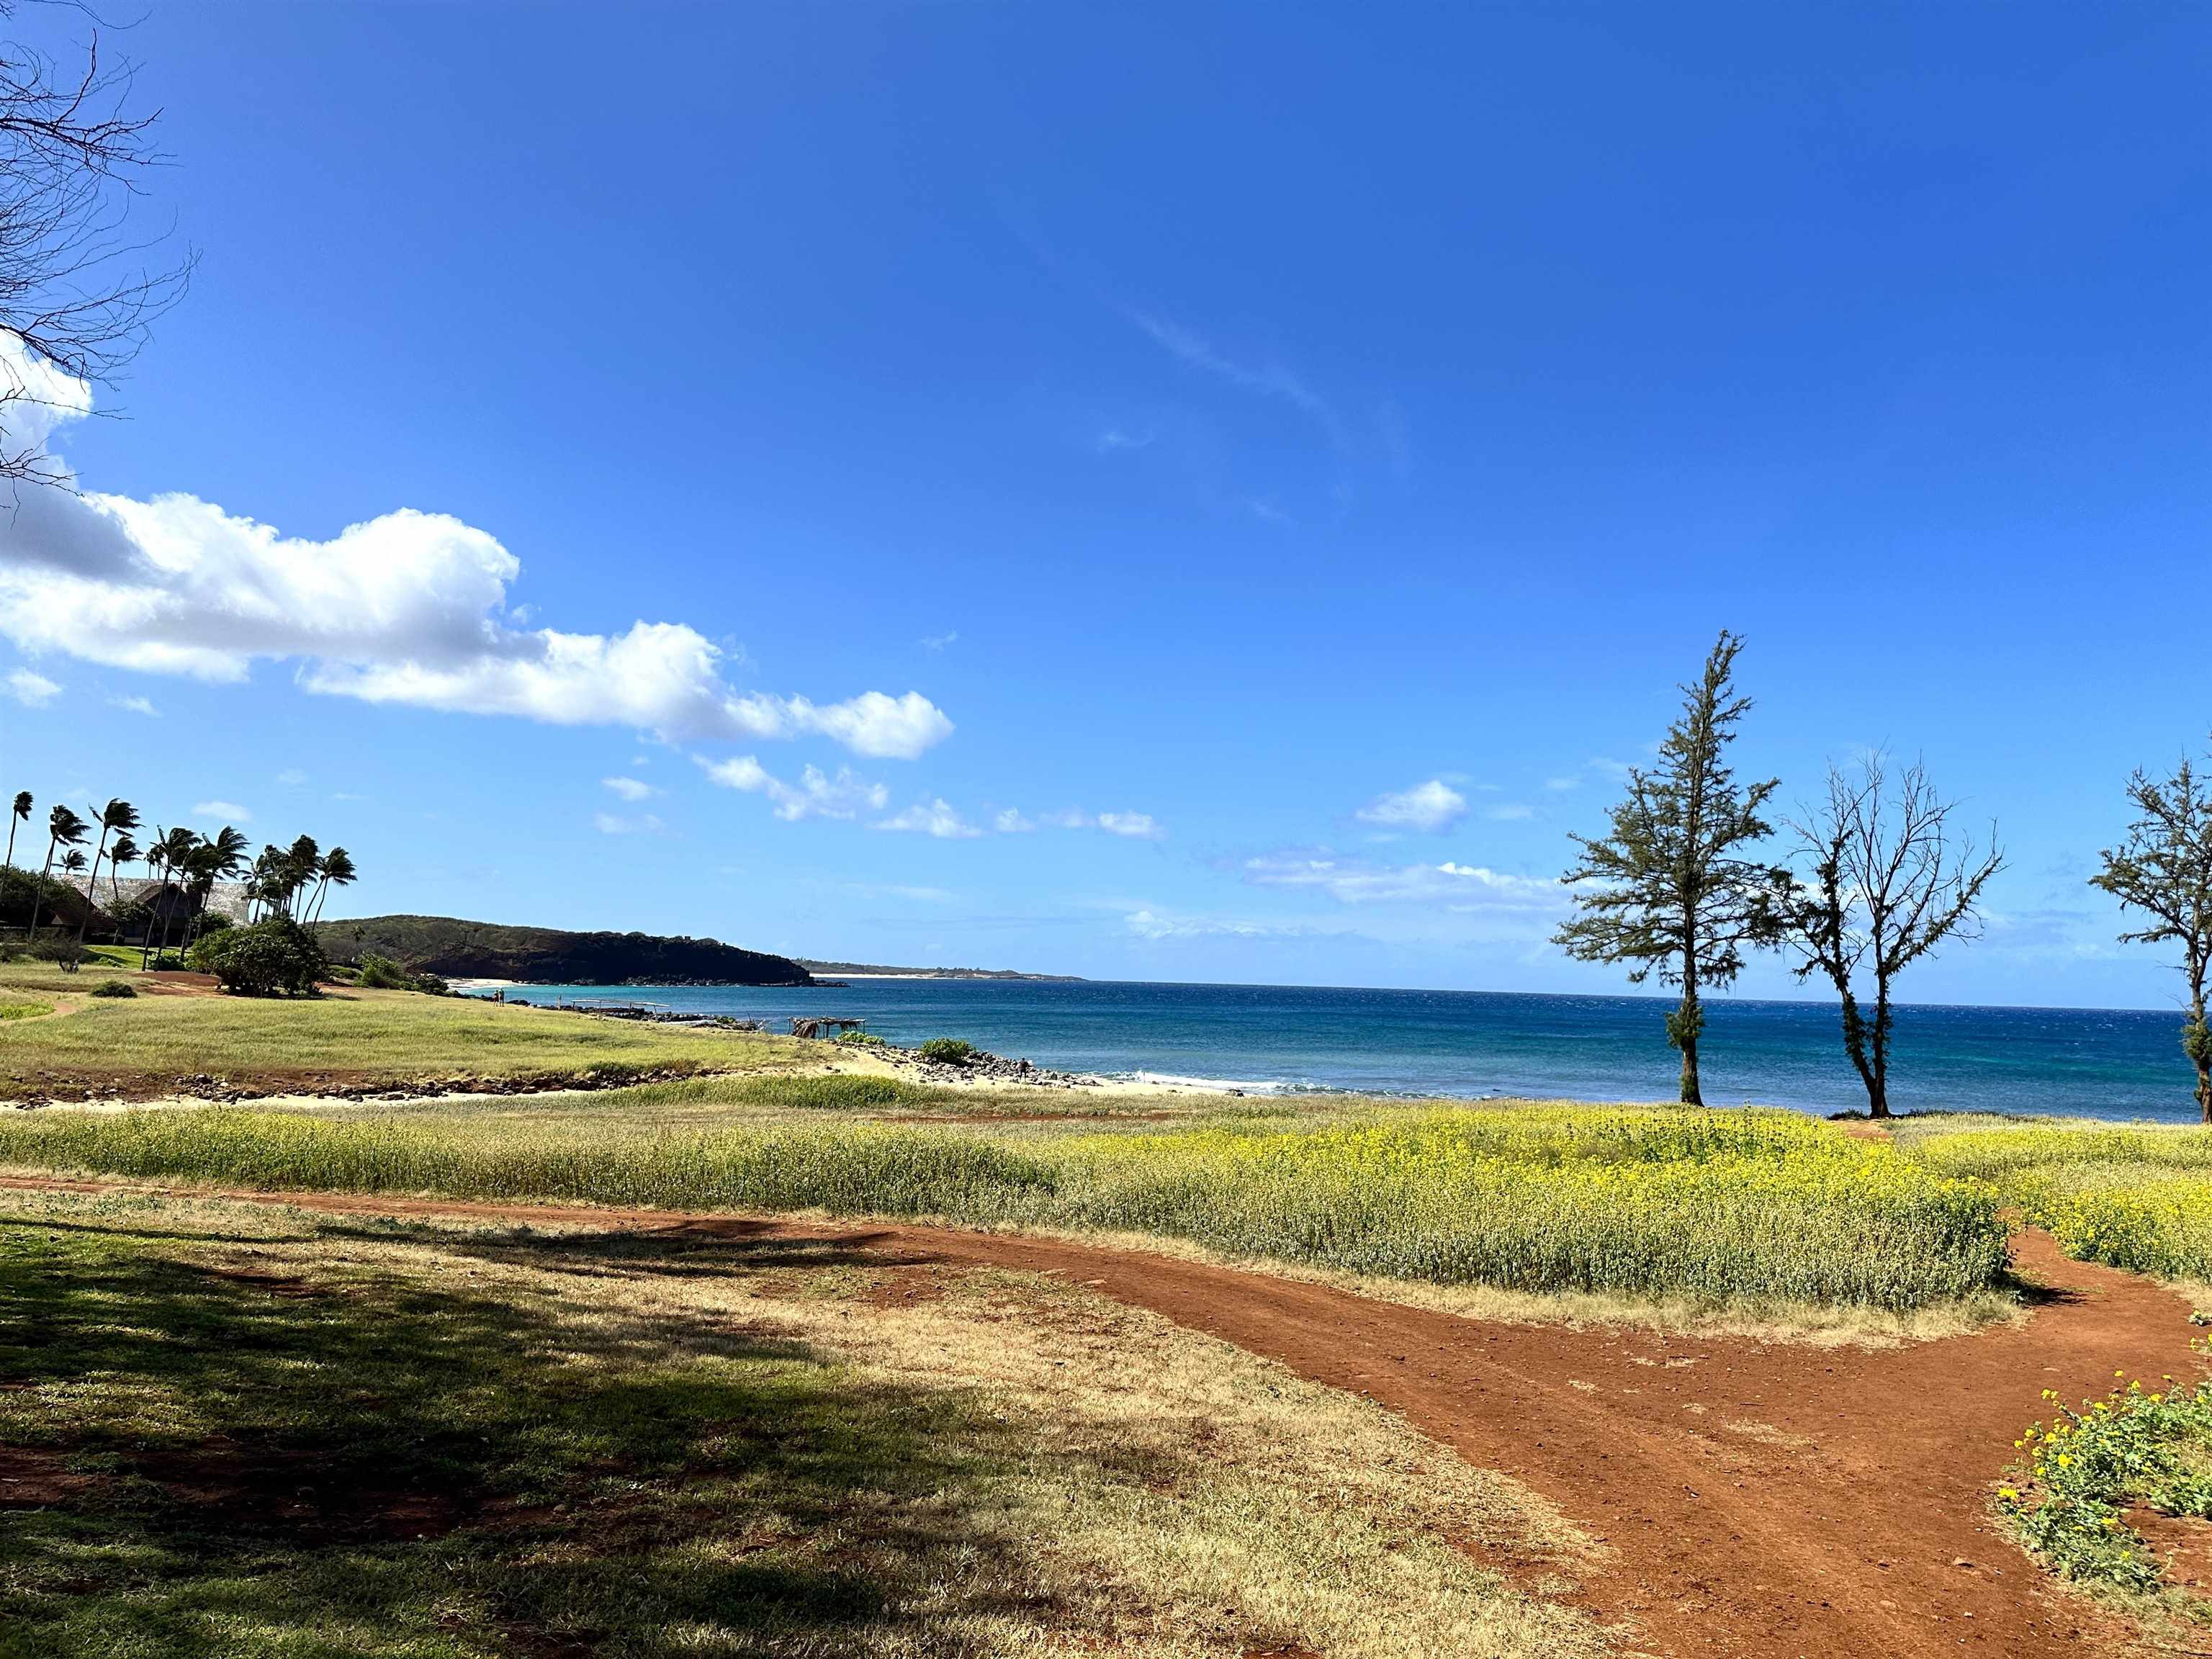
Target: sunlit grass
(353, 1036)
(1726, 1206)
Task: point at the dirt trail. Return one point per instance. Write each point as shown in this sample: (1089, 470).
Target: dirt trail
(1775, 1501)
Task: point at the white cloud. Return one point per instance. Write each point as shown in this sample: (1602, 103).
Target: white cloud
(937, 642)
(410, 607)
(608, 824)
(135, 706)
(815, 795)
(1510, 812)
(32, 691)
(1434, 805)
(1139, 826)
(292, 776)
(222, 809)
(1011, 823)
(1352, 881)
(1114, 437)
(629, 789)
(933, 817)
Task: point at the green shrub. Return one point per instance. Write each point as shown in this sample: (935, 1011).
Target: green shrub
(861, 1040)
(2085, 1471)
(271, 957)
(383, 973)
(112, 987)
(949, 1051)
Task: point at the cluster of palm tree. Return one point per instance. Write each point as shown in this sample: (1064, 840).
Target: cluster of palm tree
(293, 881)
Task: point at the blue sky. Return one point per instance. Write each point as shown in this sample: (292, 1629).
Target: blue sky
(1275, 462)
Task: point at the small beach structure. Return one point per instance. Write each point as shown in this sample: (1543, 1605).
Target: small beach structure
(801, 1027)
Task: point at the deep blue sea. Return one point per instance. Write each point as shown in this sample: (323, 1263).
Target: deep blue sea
(2096, 1062)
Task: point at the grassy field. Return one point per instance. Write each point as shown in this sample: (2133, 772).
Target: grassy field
(266, 1435)
(1725, 1207)
(144, 1045)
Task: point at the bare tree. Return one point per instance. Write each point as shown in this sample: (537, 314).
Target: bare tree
(2164, 870)
(1891, 878)
(73, 293)
(1671, 889)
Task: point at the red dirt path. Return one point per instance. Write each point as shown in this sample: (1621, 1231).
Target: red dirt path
(1776, 1501)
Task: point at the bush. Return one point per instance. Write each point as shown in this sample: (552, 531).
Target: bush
(271, 957)
(112, 987)
(949, 1051)
(861, 1040)
(383, 973)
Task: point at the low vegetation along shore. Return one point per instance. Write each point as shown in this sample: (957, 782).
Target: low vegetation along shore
(1700, 1220)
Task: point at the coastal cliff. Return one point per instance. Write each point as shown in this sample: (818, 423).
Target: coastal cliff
(455, 949)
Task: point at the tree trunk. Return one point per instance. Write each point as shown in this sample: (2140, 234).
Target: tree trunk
(37, 896)
(92, 885)
(1855, 1045)
(1688, 1019)
(1878, 1086)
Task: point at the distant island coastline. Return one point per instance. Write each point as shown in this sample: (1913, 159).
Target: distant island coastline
(455, 948)
(871, 970)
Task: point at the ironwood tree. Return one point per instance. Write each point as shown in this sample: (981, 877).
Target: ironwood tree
(1674, 890)
(1891, 877)
(2163, 872)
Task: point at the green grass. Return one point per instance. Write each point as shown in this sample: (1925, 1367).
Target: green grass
(268, 1437)
(1746, 1207)
(146, 1043)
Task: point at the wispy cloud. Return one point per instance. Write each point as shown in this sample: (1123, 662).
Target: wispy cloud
(135, 706)
(1431, 806)
(32, 691)
(630, 789)
(291, 777)
(815, 795)
(1011, 823)
(609, 824)
(936, 643)
(931, 817)
(1137, 826)
(1509, 812)
(222, 809)
(1356, 881)
(1114, 437)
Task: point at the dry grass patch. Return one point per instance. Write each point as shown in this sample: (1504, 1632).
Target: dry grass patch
(302, 1436)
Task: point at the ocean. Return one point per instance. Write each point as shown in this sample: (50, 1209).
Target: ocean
(2094, 1062)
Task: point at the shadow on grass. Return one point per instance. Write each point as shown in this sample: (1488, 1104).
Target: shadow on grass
(376, 1461)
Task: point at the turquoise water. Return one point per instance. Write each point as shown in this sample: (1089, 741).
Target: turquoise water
(2099, 1063)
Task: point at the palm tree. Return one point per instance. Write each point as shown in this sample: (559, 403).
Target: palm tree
(337, 872)
(211, 861)
(116, 815)
(126, 851)
(63, 829)
(303, 864)
(18, 812)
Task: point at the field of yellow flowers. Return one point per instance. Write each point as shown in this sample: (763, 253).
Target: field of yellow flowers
(1724, 1207)
(2137, 1197)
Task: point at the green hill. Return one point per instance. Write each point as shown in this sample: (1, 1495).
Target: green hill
(547, 955)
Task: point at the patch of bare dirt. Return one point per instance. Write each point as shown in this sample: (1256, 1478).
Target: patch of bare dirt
(230, 1488)
(33, 1478)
